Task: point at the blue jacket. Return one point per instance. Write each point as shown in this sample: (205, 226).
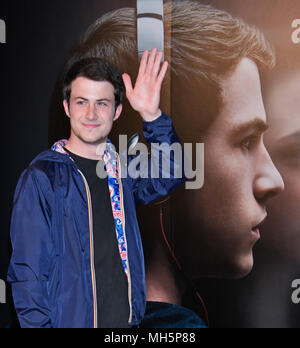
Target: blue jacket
(51, 268)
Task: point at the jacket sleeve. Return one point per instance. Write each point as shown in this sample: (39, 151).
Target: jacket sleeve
(32, 248)
(153, 187)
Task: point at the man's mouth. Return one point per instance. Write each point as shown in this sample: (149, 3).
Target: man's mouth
(256, 229)
(256, 232)
(91, 126)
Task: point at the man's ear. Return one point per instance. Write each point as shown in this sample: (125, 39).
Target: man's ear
(66, 107)
(118, 112)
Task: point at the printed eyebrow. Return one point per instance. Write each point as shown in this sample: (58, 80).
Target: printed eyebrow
(257, 125)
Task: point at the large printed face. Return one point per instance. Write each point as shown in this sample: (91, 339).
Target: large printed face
(221, 221)
(91, 110)
(282, 230)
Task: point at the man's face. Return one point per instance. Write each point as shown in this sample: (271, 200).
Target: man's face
(221, 221)
(282, 231)
(91, 110)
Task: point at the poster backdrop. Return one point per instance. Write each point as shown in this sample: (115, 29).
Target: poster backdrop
(35, 40)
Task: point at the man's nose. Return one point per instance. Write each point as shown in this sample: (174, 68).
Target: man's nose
(91, 112)
(269, 182)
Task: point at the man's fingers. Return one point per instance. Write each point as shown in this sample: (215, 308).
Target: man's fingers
(162, 73)
(127, 83)
(151, 61)
(144, 61)
(157, 64)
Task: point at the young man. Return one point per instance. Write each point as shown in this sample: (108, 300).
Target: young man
(216, 98)
(277, 255)
(77, 255)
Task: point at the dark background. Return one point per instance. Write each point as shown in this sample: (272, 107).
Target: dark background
(39, 36)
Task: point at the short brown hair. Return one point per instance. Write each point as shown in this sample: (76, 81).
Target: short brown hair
(94, 69)
(206, 44)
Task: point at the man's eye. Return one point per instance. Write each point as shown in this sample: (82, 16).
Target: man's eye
(102, 104)
(250, 142)
(81, 102)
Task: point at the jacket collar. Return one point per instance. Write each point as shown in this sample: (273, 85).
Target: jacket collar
(109, 157)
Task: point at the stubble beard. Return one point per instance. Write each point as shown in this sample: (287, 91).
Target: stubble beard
(98, 141)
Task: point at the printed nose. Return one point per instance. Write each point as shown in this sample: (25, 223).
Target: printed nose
(269, 183)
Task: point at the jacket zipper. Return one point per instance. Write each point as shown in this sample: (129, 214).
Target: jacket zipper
(92, 248)
(92, 255)
(124, 224)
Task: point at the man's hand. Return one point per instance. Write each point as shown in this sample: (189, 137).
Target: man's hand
(145, 96)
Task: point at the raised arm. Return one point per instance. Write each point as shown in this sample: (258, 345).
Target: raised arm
(144, 97)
